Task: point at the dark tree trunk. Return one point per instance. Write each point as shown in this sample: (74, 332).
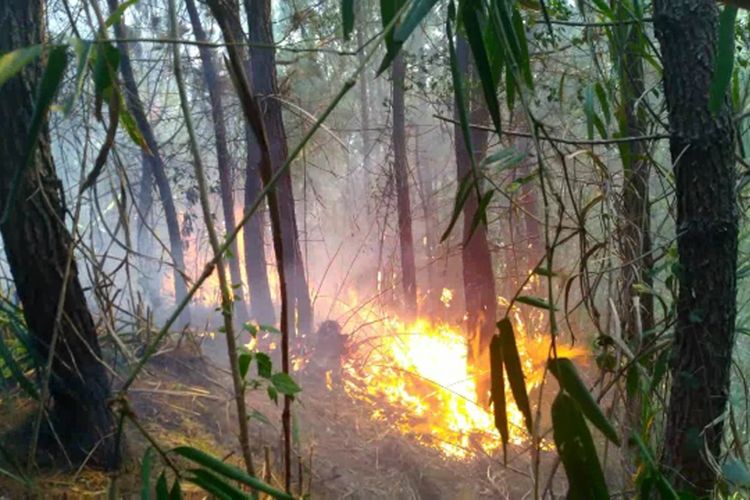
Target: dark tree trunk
(401, 176)
(38, 247)
(254, 234)
(223, 159)
(364, 102)
(263, 63)
(702, 147)
(478, 276)
(153, 164)
(637, 309)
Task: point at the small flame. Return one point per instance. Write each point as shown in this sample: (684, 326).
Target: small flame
(446, 297)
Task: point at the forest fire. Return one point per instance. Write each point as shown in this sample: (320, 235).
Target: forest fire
(418, 377)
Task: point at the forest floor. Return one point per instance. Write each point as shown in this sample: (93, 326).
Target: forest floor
(184, 398)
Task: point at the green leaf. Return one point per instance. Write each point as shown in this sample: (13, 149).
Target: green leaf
(251, 329)
(265, 365)
(481, 60)
(652, 472)
(512, 363)
(480, 216)
(176, 492)
(388, 10)
(228, 470)
(146, 464)
(82, 49)
(244, 360)
(269, 329)
(418, 10)
(347, 16)
(115, 17)
(16, 372)
(216, 486)
(259, 416)
(131, 127)
(51, 80)
(543, 271)
(535, 302)
(504, 159)
(106, 62)
(577, 452)
(13, 62)
(724, 59)
(162, 490)
(273, 394)
(566, 374)
(464, 190)
(285, 384)
(497, 391)
(736, 472)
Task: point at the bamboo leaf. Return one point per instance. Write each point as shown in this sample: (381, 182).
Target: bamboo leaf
(176, 492)
(228, 470)
(534, 301)
(464, 189)
(146, 464)
(115, 17)
(497, 392)
(419, 9)
(480, 216)
(566, 374)
(16, 372)
(388, 10)
(724, 59)
(162, 490)
(577, 452)
(13, 62)
(481, 59)
(217, 486)
(82, 49)
(513, 368)
(347, 15)
(51, 80)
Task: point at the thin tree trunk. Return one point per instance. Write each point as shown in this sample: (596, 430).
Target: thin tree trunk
(154, 164)
(401, 176)
(428, 210)
(38, 247)
(702, 147)
(263, 63)
(478, 276)
(637, 309)
(224, 160)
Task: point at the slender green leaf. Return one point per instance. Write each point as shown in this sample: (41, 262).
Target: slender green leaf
(269, 329)
(464, 190)
(228, 470)
(131, 127)
(653, 474)
(534, 301)
(512, 363)
(419, 9)
(82, 49)
(13, 62)
(504, 159)
(480, 216)
(347, 16)
(176, 492)
(724, 59)
(388, 10)
(51, 80)
(577, 452)
(497, 392)
(481, 60)
(260, 416)
(146, 464)
(16, 372)
(115, 17)
(217, 486)
(162, 490)
(566, 374)
(106, 62)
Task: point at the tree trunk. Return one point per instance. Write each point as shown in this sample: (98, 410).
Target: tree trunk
(478, 276)
(223, 159)
(263, 63)
(38, 247)
(401, 176)
(702, 147)
(154, 164)
(637, 309)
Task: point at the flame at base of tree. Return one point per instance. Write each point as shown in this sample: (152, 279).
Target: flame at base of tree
(417, 377)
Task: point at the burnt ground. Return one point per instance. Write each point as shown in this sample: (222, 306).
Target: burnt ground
(184, 399)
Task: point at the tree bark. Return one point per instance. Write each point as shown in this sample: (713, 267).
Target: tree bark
(702, 147)
(637, 309)
(263, 64)
(223, 158)
(38, 247)
(478, 275)
(153, 164)
(401, 176)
